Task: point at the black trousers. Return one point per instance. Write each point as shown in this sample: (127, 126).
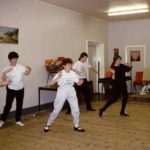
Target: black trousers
(117, 90)
(10, 96)
(85, 89)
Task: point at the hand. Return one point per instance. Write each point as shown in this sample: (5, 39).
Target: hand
(6, 83)
(27, 70)
(128, 64)
(113, 71)
(59, 75)
(80, 82)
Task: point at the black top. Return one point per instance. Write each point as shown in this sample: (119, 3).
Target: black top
(120, 77)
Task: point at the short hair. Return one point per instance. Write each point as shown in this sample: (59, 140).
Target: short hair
(83, 54)
(67, 61)
(12, 55)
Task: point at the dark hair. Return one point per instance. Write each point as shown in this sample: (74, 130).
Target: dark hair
(82, 55)
(67, 61)
(12, 55)
(114, 60)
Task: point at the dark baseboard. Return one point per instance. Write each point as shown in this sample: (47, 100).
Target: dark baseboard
(35, 109)
(31, 110)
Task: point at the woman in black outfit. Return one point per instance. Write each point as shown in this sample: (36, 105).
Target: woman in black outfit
(119, 86)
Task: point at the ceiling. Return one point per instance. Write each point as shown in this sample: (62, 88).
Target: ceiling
(98, 8)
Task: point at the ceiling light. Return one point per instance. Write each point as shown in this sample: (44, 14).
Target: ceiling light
(126, 12)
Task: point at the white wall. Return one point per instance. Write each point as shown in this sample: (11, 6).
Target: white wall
(124, 33)
(45, 31)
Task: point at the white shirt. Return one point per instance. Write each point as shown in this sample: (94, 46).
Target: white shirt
(15, 75)
(67, 78)
(81, 68)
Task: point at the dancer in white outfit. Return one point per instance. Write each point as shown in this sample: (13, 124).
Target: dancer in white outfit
(66, 79)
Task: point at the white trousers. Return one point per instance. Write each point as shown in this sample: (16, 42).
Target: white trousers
(65, 93)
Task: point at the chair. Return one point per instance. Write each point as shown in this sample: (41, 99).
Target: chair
(106, 86)
(108, 74)
(146, 81)
(138, 80)
(146, 75)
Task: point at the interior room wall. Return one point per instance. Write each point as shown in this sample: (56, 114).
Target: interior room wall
(45, 31)
(125, 33)
(122, 33)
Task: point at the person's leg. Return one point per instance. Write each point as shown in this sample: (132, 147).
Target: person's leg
(87, 96)
(19, 104)
(73, 101)
(113, 99)
(115, 93)
(9, 99)
(78, 91)
(124, 100)
(60, 99)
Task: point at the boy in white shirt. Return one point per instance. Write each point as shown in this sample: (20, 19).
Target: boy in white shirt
(66, 79)
(15, 89)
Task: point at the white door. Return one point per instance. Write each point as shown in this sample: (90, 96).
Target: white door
(95, 52)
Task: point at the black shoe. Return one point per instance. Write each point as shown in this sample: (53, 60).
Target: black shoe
(79, 129)
(46, 128)
(101, 113)
(91, 109)
(68, 112)
(124, 114)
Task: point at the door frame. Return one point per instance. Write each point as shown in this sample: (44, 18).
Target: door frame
(101, 58)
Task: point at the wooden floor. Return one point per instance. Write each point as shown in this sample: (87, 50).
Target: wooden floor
(111, 132)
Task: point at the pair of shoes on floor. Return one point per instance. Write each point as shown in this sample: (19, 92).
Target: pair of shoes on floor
(79, 129)
(91, 109)
(101, 113)
(19, 123)
(124, 114)
(46, 128)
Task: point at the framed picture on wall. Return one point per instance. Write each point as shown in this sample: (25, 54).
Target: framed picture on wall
(116, 52)
(135, 53)
(9, 35)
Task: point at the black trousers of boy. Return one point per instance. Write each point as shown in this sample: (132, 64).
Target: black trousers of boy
(10, 96)
(117, 90)
(85, 89)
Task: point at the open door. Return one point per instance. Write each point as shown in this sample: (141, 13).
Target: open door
(95, 52)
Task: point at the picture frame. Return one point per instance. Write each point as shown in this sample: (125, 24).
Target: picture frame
(9, 35)
(116, 52)
(135, 54)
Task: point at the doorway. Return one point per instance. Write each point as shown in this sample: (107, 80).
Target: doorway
(95, 52)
